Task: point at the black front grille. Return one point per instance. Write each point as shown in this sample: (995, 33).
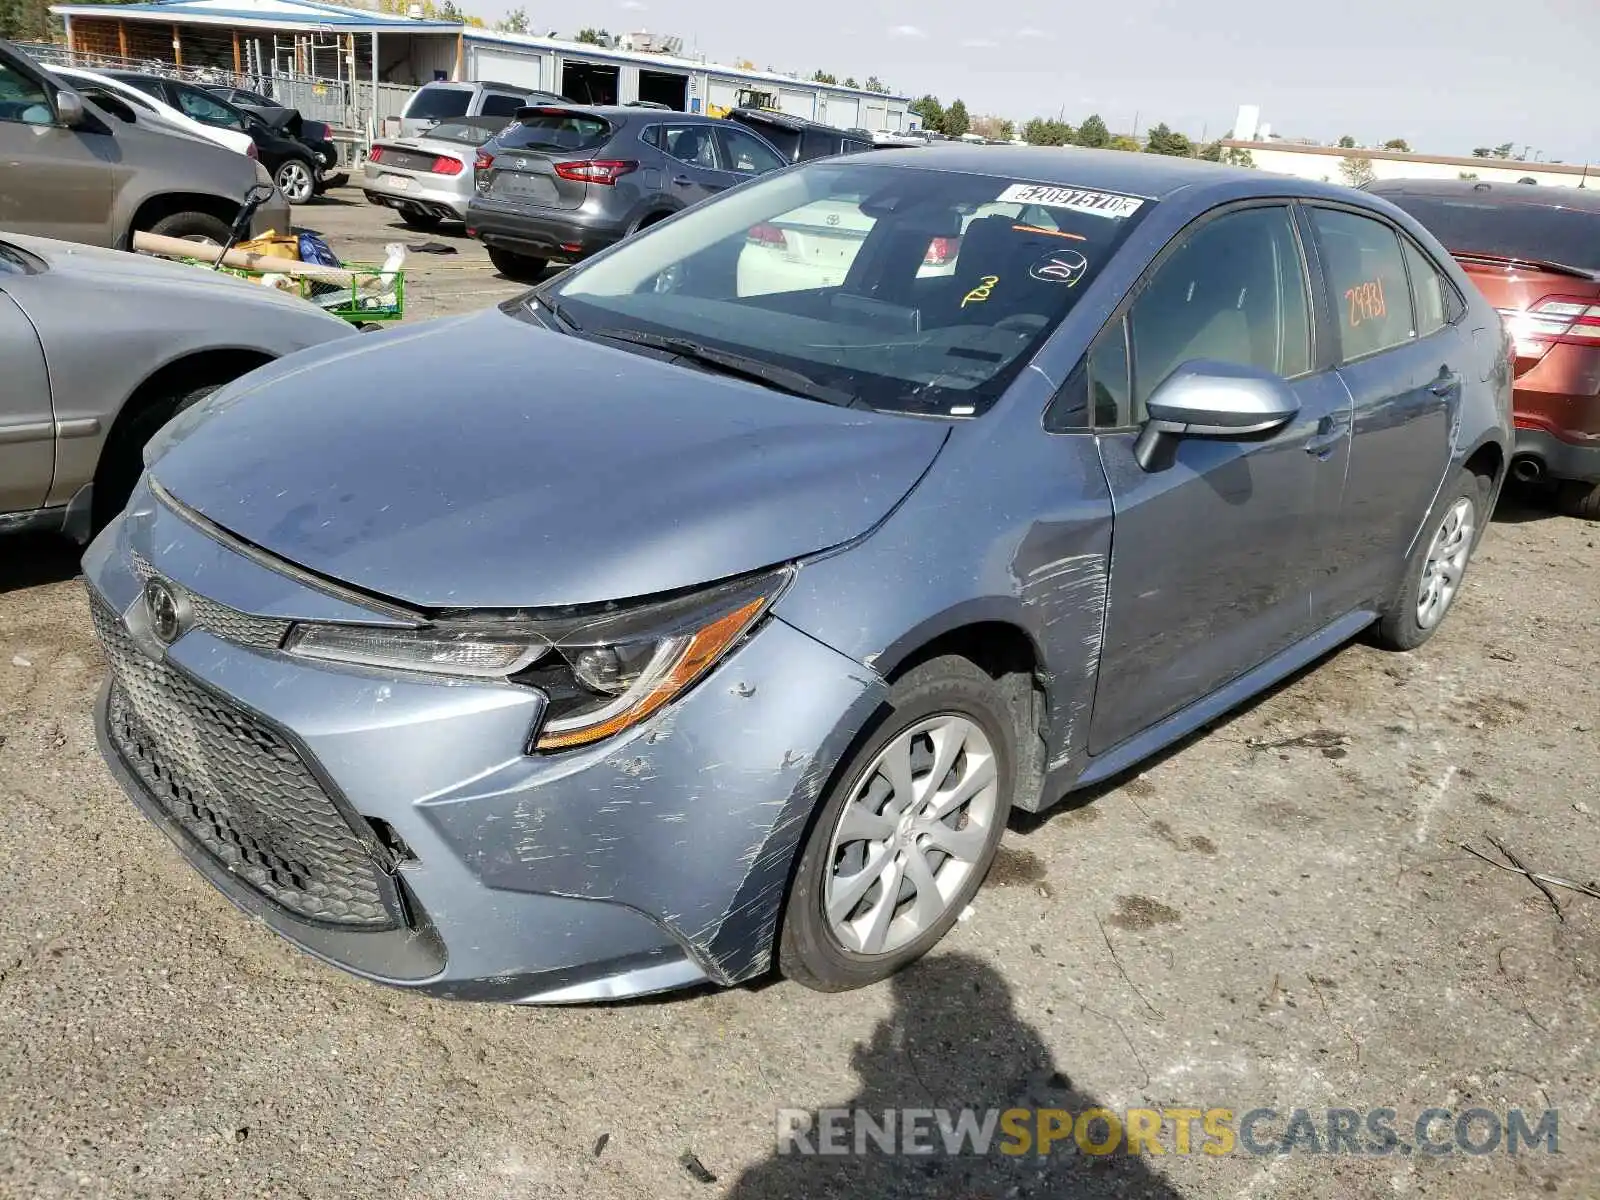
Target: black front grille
(240, 790)
(229, 624)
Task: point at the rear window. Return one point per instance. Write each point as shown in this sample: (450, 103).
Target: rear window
(437, 103)
(557, 131)
(1542, 232)
(460, 131)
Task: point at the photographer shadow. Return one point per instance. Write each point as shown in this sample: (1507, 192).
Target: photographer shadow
(954, 1041)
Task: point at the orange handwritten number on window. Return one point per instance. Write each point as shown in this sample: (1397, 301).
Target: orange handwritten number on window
(1366, 302)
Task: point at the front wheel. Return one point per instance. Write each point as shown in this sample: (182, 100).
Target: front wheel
(296, 181)
(1437, 565)
(907, 833)
(519, 268)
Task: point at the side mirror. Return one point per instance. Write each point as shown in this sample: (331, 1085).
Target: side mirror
(69, 108)
(1214, 399)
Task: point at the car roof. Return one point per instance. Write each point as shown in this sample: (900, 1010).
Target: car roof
(1585, 199)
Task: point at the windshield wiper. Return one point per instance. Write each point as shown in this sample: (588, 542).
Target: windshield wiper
(738, 365)
(556, 310)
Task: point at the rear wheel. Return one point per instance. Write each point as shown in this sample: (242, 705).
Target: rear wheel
(520, 268)
(193, 227)
(1579, 499)
(415, 218)
(123, 458)
(1438, 565)
(296, 181)
(908, 832)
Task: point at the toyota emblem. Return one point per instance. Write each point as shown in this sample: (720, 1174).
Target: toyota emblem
(169, 612)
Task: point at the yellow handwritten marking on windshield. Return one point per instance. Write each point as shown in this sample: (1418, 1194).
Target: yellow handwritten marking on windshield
(1062, 233)
(980, 293)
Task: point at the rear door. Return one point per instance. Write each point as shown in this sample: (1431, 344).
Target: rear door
(27, 425)
(57, 180)
(695, 167)
(1403, 369)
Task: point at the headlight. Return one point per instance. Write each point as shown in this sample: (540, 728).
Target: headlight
(602, 673)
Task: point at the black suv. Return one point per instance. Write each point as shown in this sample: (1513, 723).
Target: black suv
(799, 140)
(564, 181)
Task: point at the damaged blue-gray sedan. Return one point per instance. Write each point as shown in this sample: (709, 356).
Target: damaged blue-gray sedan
(715, 617)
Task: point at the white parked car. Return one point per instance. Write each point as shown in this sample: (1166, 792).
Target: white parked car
(814, 245)
(88, 82)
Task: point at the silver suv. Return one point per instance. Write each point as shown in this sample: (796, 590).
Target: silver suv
(565, 181)
(439, 101)
(97, 172)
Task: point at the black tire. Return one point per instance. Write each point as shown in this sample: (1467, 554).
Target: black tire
(519, 268)
(197, 226)
(415, 218)
(1579, 499)
(809, 952)
(1398, 627)
(123, 458)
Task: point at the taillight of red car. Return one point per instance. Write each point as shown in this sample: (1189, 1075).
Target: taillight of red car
(1551, 321)
(942, 252)
(599, 170)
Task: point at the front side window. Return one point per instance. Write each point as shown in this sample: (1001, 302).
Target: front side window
(1368, 292)
(692, 144)
(907, 289)
(22, 100)
(1233, 291)
(208, 110)
(746, 154)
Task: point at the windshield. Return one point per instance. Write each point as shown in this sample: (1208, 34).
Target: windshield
(437, 103)
(1568, 236)
(909, 289)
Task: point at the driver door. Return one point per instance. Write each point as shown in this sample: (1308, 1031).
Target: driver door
(1214, 551)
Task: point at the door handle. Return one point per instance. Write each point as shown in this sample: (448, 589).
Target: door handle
(1324, 444)
(1446, 383)
(683, 181)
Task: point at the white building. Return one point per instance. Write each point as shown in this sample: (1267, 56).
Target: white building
(1327, 163)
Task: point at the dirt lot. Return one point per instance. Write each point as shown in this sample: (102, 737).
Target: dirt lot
(1277, 914)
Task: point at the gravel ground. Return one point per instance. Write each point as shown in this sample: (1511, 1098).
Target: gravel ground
(1276, 914)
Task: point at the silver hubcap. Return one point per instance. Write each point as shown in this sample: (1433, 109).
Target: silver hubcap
(294, 181)
(911, 834)
(1447, 563)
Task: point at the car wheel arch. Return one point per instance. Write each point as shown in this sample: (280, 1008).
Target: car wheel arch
(155, 208)
(654, 216)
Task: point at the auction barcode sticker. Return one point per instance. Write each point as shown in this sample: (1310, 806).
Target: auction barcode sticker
(1101, 204)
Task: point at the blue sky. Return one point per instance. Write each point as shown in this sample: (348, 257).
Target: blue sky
(1446, 75)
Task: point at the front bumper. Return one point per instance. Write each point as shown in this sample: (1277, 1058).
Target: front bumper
(654, 861)
(541, 233)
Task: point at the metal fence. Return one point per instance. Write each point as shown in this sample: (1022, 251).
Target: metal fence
(345, 104)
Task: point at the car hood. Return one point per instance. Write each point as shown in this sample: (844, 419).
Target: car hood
(483, 462)
(95, 268)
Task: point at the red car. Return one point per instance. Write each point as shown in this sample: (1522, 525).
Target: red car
(1534, 252)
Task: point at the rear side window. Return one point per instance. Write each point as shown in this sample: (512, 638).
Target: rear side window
(438, 103)
(1430, 294)
(1233, 291)
(560, 131)
(498, 104)
(1366, 271)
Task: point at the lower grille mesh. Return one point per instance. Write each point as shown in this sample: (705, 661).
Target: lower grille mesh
(239, 790)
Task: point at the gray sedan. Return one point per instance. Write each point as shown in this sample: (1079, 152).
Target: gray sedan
(101, 348)
(692, 632)
(428, 178)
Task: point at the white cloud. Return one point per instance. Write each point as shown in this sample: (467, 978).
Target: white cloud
(907, 31)
(1029, 33)
(979, 43)
(634, 5)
